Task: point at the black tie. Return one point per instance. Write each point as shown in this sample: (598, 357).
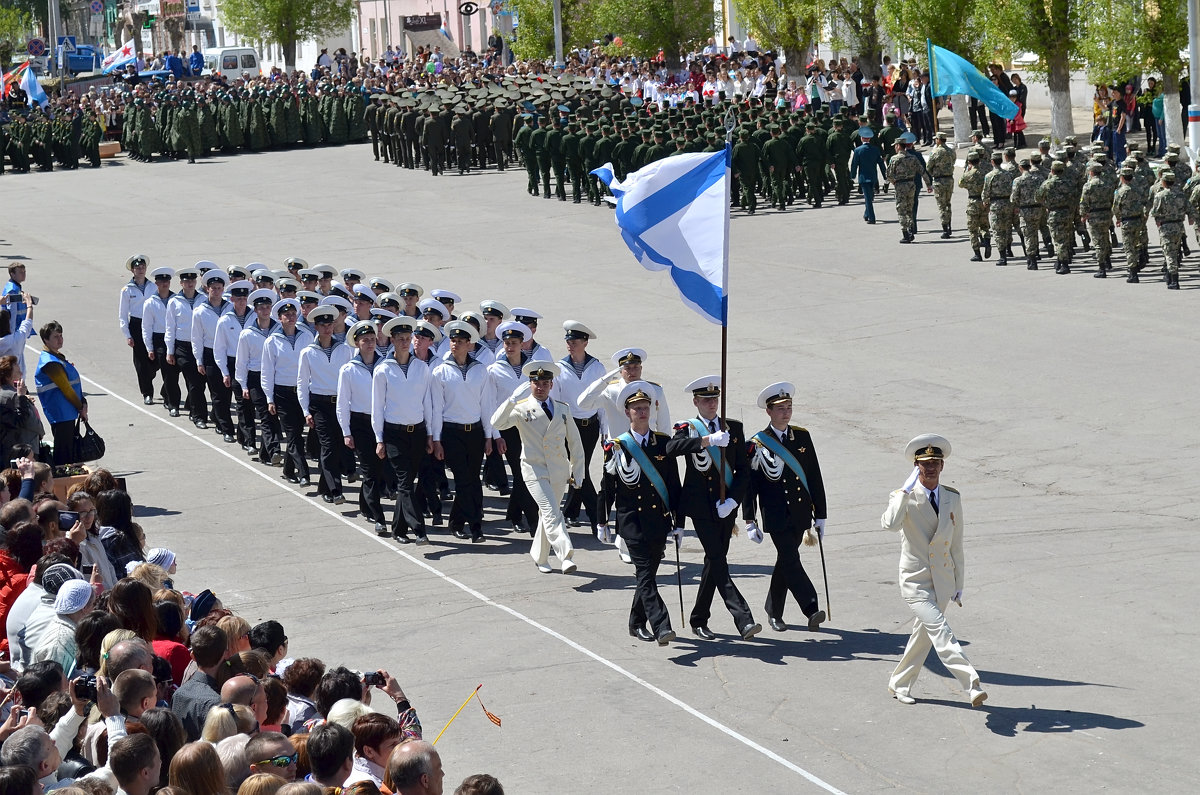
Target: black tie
(546, 408)
(646, 442)
(933, 501)
(712, 426)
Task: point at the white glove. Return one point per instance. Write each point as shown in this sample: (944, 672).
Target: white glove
(820, 525)
(753, 533)
(718, 439)
(604, 533)
(523, 389)
(912, 480)
(726, 507)
(958, 597)
(676, 534)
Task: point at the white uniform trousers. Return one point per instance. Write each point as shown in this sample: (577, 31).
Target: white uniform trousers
(931, 629)
(551, 527)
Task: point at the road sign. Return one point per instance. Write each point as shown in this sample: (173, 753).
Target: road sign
(193, 16)
(193, 7)
(97, 6)
(67, 43)
(36, 47)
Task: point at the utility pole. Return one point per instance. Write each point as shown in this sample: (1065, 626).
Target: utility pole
(1193, 10)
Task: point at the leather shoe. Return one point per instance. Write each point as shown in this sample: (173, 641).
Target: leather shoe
(704, 633)
(174, 412)
(544, 568)
(460, 533)
(149, 401)
(422, 540)
(814, 621)
(777, 624)
(750, 630)
(381, 529)
(327, 498)
(229, 437)
(668, 635)
(641, 633)
(903, 697)
(402, 537)
(977, 697)
(477, 538)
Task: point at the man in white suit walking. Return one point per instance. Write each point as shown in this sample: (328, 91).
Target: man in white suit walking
(929, 517)
(551, 457)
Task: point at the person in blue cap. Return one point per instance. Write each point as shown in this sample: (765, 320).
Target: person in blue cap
(865, 161)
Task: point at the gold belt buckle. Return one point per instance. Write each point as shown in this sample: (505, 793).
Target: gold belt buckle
(411, 427)
(468, 426)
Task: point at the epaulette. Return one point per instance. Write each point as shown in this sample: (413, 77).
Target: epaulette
(659, 433)
(798, 428)
(951, 488)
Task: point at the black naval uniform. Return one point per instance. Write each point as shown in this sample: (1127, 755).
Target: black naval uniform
(643, 520)
(788, 510)
(699, 498)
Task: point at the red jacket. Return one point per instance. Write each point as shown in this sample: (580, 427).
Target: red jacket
(12, 582)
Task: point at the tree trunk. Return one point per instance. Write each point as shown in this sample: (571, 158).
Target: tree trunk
(1172, 111)
(1059, 82)
(289, 56)
(962, 120)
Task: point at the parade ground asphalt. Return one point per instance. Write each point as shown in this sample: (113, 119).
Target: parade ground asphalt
(1070, 403)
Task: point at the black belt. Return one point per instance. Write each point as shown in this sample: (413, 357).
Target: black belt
(1169, 220)
(361, 414)
(286, 388)
(998, 199)
(330, 399)
(410, 428)
(586, 421)
(462, 426)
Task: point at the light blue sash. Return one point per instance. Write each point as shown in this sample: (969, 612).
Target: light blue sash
(648, 469)
(702, 430)
(769, 441)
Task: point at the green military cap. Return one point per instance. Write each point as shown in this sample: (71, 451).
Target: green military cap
(1044, 143)
(997, 157)
(890, 116)
(1172, 147)
(838, 120)
(1008, 150)
(1127, 172)
(1172, 157)
(1024, 162)
(1071, 141)
(863, 119)
(975, 133)
(773, 127)
(1096, 168)
(1168, 177)
(1099, 157)
(1133, 146)
(940, 135)
(974, 157)
(1058, 166)
(1061, 156)
(811, 125)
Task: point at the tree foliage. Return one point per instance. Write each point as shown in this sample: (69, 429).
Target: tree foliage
(286, 22)
(953, 24)
(644, 26)
(1123, 34)
(790, 27)
(16, 25)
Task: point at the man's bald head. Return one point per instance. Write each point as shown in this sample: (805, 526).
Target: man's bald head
(415, 767)
(239, 690)
(130, 654)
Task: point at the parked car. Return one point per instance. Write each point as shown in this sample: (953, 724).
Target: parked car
(86, 58)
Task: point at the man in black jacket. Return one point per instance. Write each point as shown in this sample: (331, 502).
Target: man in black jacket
(642, 480)
(785, 481)
(713, 514)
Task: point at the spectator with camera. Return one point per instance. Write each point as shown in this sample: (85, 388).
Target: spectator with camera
(21, 429)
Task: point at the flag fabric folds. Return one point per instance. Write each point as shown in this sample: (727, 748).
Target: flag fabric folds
(952, 74)
(674, 215)
(493, 718)
(13, 78)
(33, 89)
(118, 58)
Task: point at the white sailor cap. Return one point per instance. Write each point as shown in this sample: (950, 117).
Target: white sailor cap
(287, 284)
(494, 308)
(433, 305)
(577, 331)
(352, 273)
(380, 283)
(707, 386)
(525, 315)
(358, 330)
(635, 392)
(337, 302)
(326, 271)
(363, 293)
(337, 288)
(308, 297)
(284, 304)
(241, 286)
(254, 267)
(775, 393)
(629, 356)
(136, 259)
(264, 275)
(927, 446)
(540, 371)
(205, 265)
(263, 296)
(427, 329)
(512, 329)
(322, 313)
(474, 318)
(238, 272)
(382, 314)
(215, 275)
(446, 295)
(390, 298)
(280, 274)
(308, 274)
(294, 262)
(188, 273)
(409, 288)
(456, 330)
(399, 324)
(163, 272)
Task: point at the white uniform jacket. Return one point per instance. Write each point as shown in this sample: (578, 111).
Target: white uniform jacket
(931, 555)
(550, 448)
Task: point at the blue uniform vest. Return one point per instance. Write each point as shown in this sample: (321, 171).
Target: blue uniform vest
(54, 403)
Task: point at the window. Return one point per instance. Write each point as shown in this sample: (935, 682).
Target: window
(229, 62)
(249, 61)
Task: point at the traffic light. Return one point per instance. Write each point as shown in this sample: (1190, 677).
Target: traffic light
(149, 23)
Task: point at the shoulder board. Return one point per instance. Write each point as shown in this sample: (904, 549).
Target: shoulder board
(654, 383)
(663, 435)
(798, 428)
(951, 488)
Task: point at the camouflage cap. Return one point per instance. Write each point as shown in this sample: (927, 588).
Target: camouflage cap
(1035, 157)
(1095, 168)
(1168, 177)
(1058, 166)
(940, 135)
(974, 157)
(1172, 157)
(1045, 143)
(1024, 163)
(1127, 172)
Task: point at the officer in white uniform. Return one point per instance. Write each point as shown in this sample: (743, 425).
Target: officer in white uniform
(316, 390)
(129, 314)
(247, 369)
(154, 336)
(280, 365)
(229, 329)
(505, 375)
(204, 338)
(354, 397)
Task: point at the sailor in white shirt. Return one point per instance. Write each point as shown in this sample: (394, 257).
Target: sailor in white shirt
(341, 320)
(494, 313)
(316, 390)
(204, 337)
(411, 295)
(504, 376)
(402, 422)
(462, 430)
(431, 479)
(129, 314)
(433, 312)
(229, 328)
(178, 339)
(448, 300)
(579, 370)
(154, 335)
(536, 351)
(364, 302)
(354, 419)
(247, 370)
(380, 285)
(280, 365)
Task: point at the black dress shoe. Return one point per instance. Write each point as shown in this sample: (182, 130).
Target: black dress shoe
(381, 530)
(666, 636)
(750, 630)
(814, 621)
(149, 401)
(402, 537)
(641, 633)
(229, 437)
(777, 624)
(202, 425)
(463, 534)
(174, 412)
(477, 538)
(327, 499)
(704, 633)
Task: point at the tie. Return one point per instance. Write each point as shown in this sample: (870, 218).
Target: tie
(546, 408)
(646, 442)
(712, 426)
(933, 501)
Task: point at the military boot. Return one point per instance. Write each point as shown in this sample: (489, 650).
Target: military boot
(1104, 268)
(1031, 263)
(1173, 281)
(1132, 278)
(1187, 252)
(977, 257)
(945, 231)
(1112, 233)
(987, 246)
(1143, 257)
(1087, 239)
(905, 236)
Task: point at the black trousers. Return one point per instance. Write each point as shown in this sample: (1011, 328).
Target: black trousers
(463, 447)
(197, 404)
(789, 574)
(169, 392)
(495, 476)
(428, 497)
(579, 496)
(332, 446)
(714, 535)
(371, 465)
(221, 394)
(405, 447)
(268, 424)
(63, 434)
(291, 422)
(243, 409)
(647, 604)
(142, 365)
(520, 501)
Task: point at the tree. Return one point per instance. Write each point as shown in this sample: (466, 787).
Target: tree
(645, 26)
(535, 34)
(855, 26)
(286, 22)
(791, 28)
(16, 25)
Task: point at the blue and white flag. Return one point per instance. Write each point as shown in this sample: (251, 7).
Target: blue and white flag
(674, 215)
(950, 73)
(33, 90)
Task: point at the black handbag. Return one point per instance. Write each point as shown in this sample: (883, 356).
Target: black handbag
(88, 444)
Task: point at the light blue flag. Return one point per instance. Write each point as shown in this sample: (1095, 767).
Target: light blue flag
(953, 74)
(33, 89)
(674, 215)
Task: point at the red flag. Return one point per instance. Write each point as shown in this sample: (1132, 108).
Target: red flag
(493, 718)
(13, 78)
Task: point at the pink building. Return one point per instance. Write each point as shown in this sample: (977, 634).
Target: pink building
(383, 22)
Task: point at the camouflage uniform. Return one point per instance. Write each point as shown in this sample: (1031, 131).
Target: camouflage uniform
(972, 182)
(997, 189)
(901, 171)
(940, 167)
(1129, 208)
(1059, 200)
(1029, 212)
(1095, 208)
(1169, 210)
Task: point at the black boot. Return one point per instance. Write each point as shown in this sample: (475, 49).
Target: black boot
(1143, 257)
(1104, 268)
(1064, 268)
(1187, 252)
(987, 246)
(1087, 239)
(1173, 281)
(905, 236)
(1031, 263)
(977, 257)
(945, 231)
(1132, 278)
(1000, 263)
(1112, 233)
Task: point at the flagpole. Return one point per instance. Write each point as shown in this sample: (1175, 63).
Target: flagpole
(932, 84)
(729, 127)
(460, 709)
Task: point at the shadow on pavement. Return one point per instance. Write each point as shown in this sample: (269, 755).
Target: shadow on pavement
(1008, 721)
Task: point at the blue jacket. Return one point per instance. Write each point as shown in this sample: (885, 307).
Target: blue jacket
(863, 164)
(196, 62)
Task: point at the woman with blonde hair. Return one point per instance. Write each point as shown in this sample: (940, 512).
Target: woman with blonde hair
(226, 720)
(197, 769)
(261, 784)
(237, 629)
(110, 640)
(148, 574)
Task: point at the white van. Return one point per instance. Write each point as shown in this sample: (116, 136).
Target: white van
(232, 61)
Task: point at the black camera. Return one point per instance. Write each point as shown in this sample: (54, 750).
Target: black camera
(373, 679)
(85, 688)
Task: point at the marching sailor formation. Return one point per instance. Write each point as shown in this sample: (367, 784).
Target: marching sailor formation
(373, 383)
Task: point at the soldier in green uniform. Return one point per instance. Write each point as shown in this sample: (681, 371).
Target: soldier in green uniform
(839, 147)
(461, 131)
(91, 135)
(524, 144)
(1040, 168)
(541, 152)
(1168, 211)
(1095, 209)
(372, 117)
(745, 167)
(1129, 210)
(1024, 200)
(558, 160)
(940, 167)
(997, 193)
(501, 122)
(811, 157)
(574, 160)
(433, 142)
(777, 157)
(972, 182)
(1058, 197)
(587, 148)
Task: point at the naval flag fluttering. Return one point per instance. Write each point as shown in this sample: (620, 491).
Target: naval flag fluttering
(674, 215)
